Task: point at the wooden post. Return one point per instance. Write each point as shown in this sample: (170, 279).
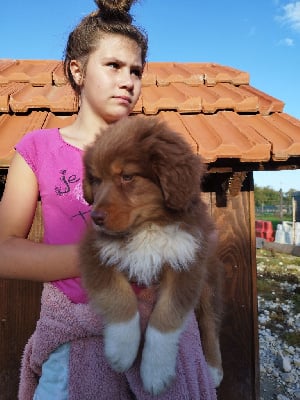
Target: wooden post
(19, 311)
(239, 336)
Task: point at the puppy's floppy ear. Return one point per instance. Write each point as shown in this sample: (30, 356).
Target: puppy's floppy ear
(87, 186)
(180, 181)
(178, 169)
(87, 190)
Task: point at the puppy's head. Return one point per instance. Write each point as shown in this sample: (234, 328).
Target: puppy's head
(136, 172)
(163, 156)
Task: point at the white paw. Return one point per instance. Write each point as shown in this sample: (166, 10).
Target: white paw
(121, 343)
(158, 367)
(216, 375)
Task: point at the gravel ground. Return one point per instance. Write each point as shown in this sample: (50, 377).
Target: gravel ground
(279, 362)
(279, 332)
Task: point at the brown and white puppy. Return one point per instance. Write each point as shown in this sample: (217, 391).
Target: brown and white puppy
(149, 224)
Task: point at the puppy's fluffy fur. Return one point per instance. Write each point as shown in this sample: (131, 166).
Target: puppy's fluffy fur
(149, 225)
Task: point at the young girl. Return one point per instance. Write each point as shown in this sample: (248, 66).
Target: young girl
(104, 61)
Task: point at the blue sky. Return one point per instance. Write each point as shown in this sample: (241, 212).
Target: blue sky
(261, 37)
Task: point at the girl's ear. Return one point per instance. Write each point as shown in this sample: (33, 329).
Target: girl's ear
(76, 71)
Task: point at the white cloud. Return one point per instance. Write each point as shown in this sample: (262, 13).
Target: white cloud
(286, 42)
(291, 15)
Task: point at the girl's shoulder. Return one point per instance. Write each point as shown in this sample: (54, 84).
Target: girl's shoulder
(49, 139)
(41, 137)
(39, 146)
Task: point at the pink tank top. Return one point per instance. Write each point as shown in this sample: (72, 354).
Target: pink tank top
(59, 170)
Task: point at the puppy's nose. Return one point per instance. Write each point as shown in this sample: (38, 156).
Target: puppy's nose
(98, 216)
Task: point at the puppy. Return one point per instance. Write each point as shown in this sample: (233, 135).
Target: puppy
(149, 225)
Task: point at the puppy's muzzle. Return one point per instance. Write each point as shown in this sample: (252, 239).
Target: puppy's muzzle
(98, 217)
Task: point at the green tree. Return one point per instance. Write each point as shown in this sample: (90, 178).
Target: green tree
(266, 196)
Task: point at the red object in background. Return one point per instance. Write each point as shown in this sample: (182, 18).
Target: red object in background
(264, 229)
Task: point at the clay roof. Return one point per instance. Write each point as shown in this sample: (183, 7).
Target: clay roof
(232, 124)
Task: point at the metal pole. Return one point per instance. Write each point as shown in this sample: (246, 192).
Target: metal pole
(294, 219)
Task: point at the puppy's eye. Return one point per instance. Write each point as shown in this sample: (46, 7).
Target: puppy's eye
(127, 178)
(96, 181)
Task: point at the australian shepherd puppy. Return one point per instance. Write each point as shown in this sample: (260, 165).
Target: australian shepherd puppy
(149, 225)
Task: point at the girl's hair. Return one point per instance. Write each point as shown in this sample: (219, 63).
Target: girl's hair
(112, 17)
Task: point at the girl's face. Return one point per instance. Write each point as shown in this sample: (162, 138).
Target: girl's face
(111, 84)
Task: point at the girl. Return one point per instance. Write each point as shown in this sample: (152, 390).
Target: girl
(104, 61)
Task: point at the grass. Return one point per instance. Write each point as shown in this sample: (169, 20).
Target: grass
(273, 269)
(278, 266)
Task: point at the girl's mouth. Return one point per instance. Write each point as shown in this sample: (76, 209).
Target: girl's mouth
(123, 99)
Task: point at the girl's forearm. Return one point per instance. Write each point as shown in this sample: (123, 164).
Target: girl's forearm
(24, 259)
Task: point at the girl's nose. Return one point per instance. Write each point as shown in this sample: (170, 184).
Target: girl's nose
(126, 81)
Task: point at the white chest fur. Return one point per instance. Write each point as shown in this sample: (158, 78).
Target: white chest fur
(143, 254)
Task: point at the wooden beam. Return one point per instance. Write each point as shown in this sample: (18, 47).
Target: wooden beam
(239, 336)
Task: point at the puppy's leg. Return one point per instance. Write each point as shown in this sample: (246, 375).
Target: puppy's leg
(118, 305)
(208, 313)
(178, 294)
(112, 296)
(121, 341)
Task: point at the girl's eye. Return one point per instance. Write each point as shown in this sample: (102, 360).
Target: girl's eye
(127, 178)
(137, 73)
(113, 65)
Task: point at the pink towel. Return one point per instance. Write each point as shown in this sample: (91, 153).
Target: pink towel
(91, 377)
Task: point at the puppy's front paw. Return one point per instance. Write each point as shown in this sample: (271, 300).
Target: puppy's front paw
(216, 375)
(158, 367)
(121, 343)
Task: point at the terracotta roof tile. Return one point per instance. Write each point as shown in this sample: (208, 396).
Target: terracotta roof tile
(176, 97)
(193, 74)
(6, 92)
(37, 72)
(213, 106)
(282, 131)
(54, 98)
(166, 73)
(58, 75)
(266, 103)
(13, 128)
(4, 64)
(224, 135)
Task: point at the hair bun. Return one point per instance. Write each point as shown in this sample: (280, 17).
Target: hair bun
(115, 10)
